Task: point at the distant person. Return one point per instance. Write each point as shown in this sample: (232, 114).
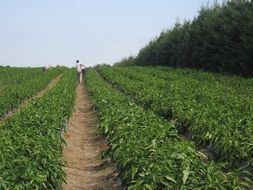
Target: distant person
(79, 68)
(46, 68)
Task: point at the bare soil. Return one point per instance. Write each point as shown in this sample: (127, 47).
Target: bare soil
(12, 112)
(85, 169)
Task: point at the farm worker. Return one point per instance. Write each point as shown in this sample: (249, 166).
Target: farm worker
(79, 68)
(46, 68)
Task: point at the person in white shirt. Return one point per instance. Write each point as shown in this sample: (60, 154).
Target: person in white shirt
(46, 68)
(79, 68)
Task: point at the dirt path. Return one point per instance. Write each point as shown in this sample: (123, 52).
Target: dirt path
(26, 102)
(85, 169)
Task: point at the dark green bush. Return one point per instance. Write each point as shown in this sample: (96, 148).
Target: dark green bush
(127, 61)
(219, 39)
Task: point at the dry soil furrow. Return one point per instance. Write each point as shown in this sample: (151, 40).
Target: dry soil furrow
(85, 169)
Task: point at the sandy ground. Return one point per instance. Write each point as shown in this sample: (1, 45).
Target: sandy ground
(26, 102)
(85, 169)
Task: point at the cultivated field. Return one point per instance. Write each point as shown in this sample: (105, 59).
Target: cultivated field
(161, 128)
(176, 128)
(30, 139)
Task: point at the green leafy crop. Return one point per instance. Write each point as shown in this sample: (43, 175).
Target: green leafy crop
(147, 149)
(31, 141)
(217, 108)
(19, 84)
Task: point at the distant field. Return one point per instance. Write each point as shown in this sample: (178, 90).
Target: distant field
(18, 84)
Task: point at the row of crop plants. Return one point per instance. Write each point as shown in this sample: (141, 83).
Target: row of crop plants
(31, 141)
(14, 75)
(226, 83)
(147, 150)
(232, 85)
(220, 121)
(22, 84)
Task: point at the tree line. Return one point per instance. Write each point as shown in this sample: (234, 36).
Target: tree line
(219, 39)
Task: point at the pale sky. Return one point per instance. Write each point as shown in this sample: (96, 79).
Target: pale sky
(57, 32)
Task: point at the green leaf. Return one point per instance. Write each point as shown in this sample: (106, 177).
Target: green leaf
(148, 187)
(186, 173)
(170, 179)
(133, 173)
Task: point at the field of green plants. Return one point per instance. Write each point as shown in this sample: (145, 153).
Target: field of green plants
(175, 128)
(165, 128)
(31, 140)
(18, 84)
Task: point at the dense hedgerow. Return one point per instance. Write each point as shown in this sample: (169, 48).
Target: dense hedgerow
(219, 39)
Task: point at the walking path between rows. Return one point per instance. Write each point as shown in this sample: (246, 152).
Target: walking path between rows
(85, 169)
(24, 104)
